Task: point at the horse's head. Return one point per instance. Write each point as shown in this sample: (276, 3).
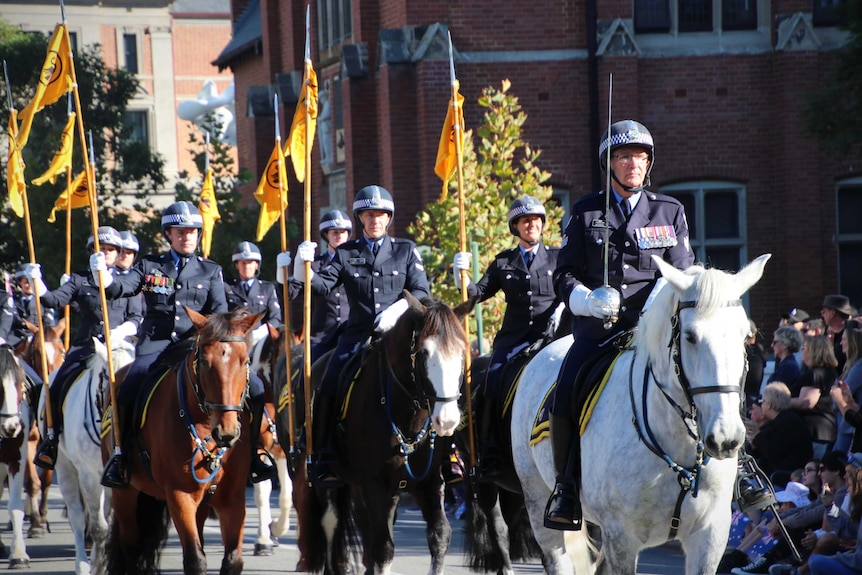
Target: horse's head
(54, 348)
(12, 390)
(700, 318)
(222, 367)
(430, 335)
(123, 354)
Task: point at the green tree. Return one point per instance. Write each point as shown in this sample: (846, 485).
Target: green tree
(498, 168)
(124, 166)
(833, 115)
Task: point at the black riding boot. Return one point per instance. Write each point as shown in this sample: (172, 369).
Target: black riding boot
(322, 471)
(490, 466)
(46, 453)
(262, 464)
(563, 511)
(116, 473)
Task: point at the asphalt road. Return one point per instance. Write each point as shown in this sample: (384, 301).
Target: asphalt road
(54, 553)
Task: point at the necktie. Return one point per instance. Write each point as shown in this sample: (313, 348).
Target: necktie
(626, 208)
(181, 263)
(247, 287)
(528, 258)
(375, 248)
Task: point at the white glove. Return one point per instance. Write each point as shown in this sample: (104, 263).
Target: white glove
(124, 330)
(282, 262)
(554, 321)
(387, 318)
(652, 295)
(259, 333)
(33, 272)
(100, 269)
(460, 262)
(304, 253)
(582, 303)
(64, 279)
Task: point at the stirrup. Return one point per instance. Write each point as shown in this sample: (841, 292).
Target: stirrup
(262, 466)
(116, 474)
(563, 511)
(321, 474)
(46, 454)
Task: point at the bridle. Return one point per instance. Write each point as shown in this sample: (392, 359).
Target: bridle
(687, 477)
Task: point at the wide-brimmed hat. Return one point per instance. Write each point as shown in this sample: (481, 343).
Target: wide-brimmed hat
(795, 493)
(838, 302)
(796, 315)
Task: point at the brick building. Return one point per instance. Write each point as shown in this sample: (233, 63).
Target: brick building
(720, 83)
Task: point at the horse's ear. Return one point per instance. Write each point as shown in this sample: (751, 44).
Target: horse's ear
(751, 274)
(463, 309)
(34, 329)
(198, 320)
(678, 279)
(414, 303)
(247, 323)
(100, 348)
(274, 333)
(60, 327)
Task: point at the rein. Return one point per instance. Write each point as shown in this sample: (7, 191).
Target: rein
(688, 478)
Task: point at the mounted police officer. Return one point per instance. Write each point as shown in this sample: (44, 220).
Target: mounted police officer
(82, 290)
(169, 281)
(128, 252)
(248, 290)
(25, 308)
(374, 269)
(639, 224)
(525, 275)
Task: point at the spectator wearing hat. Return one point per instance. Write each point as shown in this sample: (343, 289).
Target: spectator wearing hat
(835, 311)
(810, 393)
(796, 318)
(786, 341)
(850, 381)
(756, 362)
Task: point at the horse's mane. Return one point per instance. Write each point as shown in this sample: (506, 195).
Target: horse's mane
(442, 323)
(220, 325)
(8, 362)
(710, 290)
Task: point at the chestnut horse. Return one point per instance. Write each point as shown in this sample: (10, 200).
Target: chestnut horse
(190, 453)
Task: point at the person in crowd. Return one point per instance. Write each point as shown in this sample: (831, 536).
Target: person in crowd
(128, 252)
(639, 224)
(756, 363)
(851, 380)
(82, 289)
(249, 291)
(810, 393)
(524, 274)
(374, 269)
(783, 442)
(815, 326)
(848, 556)
(796, 318)
(169, 281)
(836, 310)
(786, 341)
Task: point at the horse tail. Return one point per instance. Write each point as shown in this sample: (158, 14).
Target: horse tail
(143, 556)
(312, 537)
(582, 551)
(479, 545)
(522, 543)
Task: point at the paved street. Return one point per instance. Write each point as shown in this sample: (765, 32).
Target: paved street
(54, 553)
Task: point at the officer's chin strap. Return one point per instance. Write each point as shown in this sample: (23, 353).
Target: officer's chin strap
(633, 190)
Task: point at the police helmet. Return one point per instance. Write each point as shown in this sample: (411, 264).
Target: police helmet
(182, 215)
(334, 220)
(19, 272)
(627, 133)
(107, 235)
(130, 241)
(525, 206)
(246, 251)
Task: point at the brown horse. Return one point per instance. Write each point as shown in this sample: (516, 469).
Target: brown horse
(189, 455)
(37, 482)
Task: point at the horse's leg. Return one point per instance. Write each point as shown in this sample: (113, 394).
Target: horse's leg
(18, 558)
(231, 512)
(46, 477)
(619, 550)
(704, 548)
(96, 502)
(262, 491)
(285, 499)
(184, 512)
(497, 529)
(72, 493)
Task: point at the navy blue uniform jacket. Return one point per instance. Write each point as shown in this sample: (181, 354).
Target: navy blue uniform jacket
(260, 298)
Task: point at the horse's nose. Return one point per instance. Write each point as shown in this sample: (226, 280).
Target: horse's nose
(10, 428)
(721, 445)
(226, 436)
(446, 418)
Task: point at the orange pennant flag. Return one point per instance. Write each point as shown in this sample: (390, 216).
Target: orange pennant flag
(54, 80)
(79, 194)
(63, 156)
(15, 182)
(295, 147)
(208, 207)
(447, 160)
(271, 192)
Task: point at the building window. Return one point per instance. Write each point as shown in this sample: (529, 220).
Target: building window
(652, 16)
(695, 15)
(739, 14)
(828, 12)
(73, 42)
(849, 236)
(130, 52)
(716, 221)
(137, 123)
(675, 16)
(334, 22)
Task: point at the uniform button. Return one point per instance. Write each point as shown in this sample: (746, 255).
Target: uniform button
(599, 241)
(528, 276)
(623, 308)
(375, 274)
(530, 322)
(395, 272)
(337, 307)
(179, 286)
(173, 334)
(529, 292)
(377, 305)
(531, 308)
(628, 244)
(625, 286)
(101, 323)
(356, 275)
(376, 290)
(625, 266)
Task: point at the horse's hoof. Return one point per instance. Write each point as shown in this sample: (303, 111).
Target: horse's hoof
(274, 541)
(262, 550)
(19, 563)
(302, 565)
(35, 533)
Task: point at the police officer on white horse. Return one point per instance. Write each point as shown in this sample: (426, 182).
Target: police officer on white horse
(82, 289)
(374, 270)
(639, 224)
(524, 274)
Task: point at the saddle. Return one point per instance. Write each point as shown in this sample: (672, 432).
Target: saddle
(592, 373)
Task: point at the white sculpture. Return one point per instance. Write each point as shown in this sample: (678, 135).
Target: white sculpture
(221, 106)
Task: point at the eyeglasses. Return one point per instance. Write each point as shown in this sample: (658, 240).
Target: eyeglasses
(810, 470)
(640, 157)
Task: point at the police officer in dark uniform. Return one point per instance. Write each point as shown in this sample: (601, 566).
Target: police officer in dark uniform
(374, 270)
(124, 317)
(169, 281)
(128, 252)
(640, 224)
(525, 275)
(7, 316)
(247, 290)
(25, 308)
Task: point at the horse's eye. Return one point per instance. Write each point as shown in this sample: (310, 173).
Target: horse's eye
(690, 337)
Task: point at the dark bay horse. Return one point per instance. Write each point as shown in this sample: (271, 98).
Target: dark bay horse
(189, 455)
(404, 396)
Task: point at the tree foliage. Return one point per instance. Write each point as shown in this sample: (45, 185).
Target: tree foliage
(833, 115)
(124, 166)
(499, 167)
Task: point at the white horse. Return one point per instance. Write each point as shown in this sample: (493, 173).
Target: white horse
(659, 454)
(14, 425)
(79, 456)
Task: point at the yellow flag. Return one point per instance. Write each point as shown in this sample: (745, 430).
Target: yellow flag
(15, 182)
(296, 142)
(208, 207)
(447, 161)
(63, 156)
(271, 192)
(79, 194)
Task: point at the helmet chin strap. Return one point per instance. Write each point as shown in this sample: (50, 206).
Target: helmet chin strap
(633, 190)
